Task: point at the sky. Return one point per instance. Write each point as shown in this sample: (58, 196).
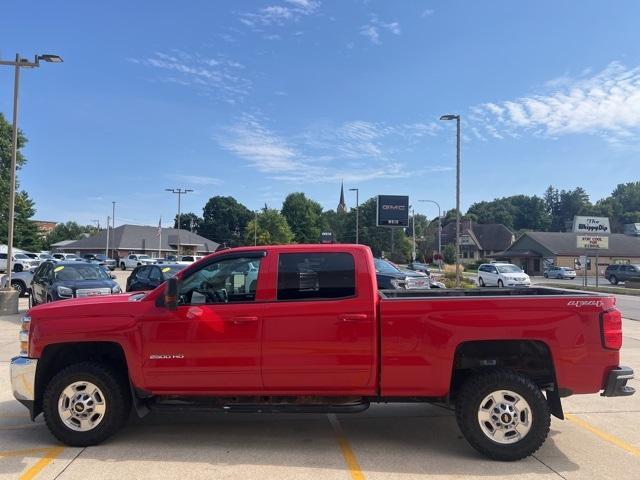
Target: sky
(257, 99)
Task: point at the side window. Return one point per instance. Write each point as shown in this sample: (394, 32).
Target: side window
(227, 280)
(314, 276)
(142, 273)
(132, 257)
(493, 269)
(155, 275)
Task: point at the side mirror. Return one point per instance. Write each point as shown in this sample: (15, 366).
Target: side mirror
(171, 294)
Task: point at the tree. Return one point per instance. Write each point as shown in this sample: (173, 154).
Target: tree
(518, 212)
(304, 217)
(449, 254)
(25, 232)
(224, 220)
(272, 229)
(68, 231)
(188, 221)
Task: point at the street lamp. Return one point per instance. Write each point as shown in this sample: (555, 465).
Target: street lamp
(18, 63)
(439, 226)
(179, 192)
(457, 119)
(413, 230)
(357, 211)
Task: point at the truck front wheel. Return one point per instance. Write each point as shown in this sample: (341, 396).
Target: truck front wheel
(503, 415)
(85, 404)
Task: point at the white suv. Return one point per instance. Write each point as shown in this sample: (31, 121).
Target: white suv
(135, 260)
(20, 261)
(502, 275)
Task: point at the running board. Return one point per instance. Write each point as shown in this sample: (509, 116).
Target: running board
(258, 408)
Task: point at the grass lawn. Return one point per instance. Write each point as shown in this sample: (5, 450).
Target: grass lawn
(617, 290)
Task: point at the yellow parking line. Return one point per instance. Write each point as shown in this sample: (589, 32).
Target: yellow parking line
(604, 436)
(49, 456)
(345, 448)
(23, 453)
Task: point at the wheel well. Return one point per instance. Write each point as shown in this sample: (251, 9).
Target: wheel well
(528, 357)
(59, 356)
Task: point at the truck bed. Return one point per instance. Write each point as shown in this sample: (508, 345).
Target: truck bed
(484, 292)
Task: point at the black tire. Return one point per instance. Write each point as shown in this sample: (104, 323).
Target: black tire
(17, 267)
(122, 266)
(545, 275)
(117, 399)
(613, 280)
(20, 287)
(476, 388)
(500, 284)
(481, 282)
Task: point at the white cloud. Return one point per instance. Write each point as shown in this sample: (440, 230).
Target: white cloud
(196, 179)
(278, 15)
(373, 29)
(606, 104)
(216, 77)
(355, 150)
(427, 13)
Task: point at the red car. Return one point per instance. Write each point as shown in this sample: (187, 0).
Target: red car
(303, 328)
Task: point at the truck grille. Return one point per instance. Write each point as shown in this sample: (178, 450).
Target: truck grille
(92, 292)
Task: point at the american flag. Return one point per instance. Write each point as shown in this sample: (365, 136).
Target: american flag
(159, 228)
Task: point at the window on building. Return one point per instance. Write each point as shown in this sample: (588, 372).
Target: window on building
(315, 276)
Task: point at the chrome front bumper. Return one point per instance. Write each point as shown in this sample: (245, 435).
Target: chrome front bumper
(23, 378)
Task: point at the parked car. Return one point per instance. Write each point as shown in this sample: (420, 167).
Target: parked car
(134, 260)
(70, 279)
(43, 256)
(66, 257)
(391, 277)
(20, 281)
(502, 275)
(560, 272)
(622, 272)
(100, 259)
(314, 334)
(419, 267)
(20, 261)
(148, 277)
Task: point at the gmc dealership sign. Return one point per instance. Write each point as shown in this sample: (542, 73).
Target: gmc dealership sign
(393, 211)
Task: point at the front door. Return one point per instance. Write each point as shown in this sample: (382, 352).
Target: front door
(319, 335)
(211, 342)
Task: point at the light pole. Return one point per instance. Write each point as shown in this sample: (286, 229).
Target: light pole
(179, 192)
(439, 226)
(357, 212)
(18, 63)
(413, 230)
(106, 250)
(457, 119)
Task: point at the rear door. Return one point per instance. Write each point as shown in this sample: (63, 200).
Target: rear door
(319, 334)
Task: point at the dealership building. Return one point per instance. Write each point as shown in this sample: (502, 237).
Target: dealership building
(534, 252)
(127, 239)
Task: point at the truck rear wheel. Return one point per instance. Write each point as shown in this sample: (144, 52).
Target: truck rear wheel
(503, 415)
(85, 404)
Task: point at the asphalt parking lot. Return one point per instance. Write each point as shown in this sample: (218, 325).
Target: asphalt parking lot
(600, 439)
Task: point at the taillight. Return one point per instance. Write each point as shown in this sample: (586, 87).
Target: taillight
(611, 327)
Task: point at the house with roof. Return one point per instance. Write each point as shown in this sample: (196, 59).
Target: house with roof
(534, 252)
(478, 240)
(127, 239)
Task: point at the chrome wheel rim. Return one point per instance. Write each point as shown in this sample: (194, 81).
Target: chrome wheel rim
(82, 406)
(505, 417)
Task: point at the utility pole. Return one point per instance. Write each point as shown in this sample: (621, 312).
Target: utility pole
(18, 63)
(357, 213)
(413, 229)
(179, 192)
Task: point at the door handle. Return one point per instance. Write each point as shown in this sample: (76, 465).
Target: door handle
(243, 320)
(353, 317)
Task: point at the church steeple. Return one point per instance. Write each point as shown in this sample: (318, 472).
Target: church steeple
(342, 206)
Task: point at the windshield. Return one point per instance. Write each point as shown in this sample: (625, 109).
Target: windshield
(45, 256)
(81, 271)
(101, 256)
(142, 257)
(71, 256)
(508, 269)
(21, 255)
(382, 266)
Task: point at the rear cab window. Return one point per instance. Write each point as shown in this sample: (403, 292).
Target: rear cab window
(316, 276)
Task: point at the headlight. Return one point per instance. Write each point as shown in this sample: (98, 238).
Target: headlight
(116, 289)
(65, 291)
(397, 283)
(24, 336)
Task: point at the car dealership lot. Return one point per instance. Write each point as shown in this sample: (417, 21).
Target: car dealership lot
(601, 439)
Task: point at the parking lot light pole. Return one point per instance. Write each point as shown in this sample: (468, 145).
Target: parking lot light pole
(18, 63)
(357, 212)
(106, 250)
(413, 230)
(179, 192)
(457, 119)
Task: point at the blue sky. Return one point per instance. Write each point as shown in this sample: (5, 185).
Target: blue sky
(259, 99)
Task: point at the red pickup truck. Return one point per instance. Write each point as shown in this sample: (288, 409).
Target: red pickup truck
(303, 328)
